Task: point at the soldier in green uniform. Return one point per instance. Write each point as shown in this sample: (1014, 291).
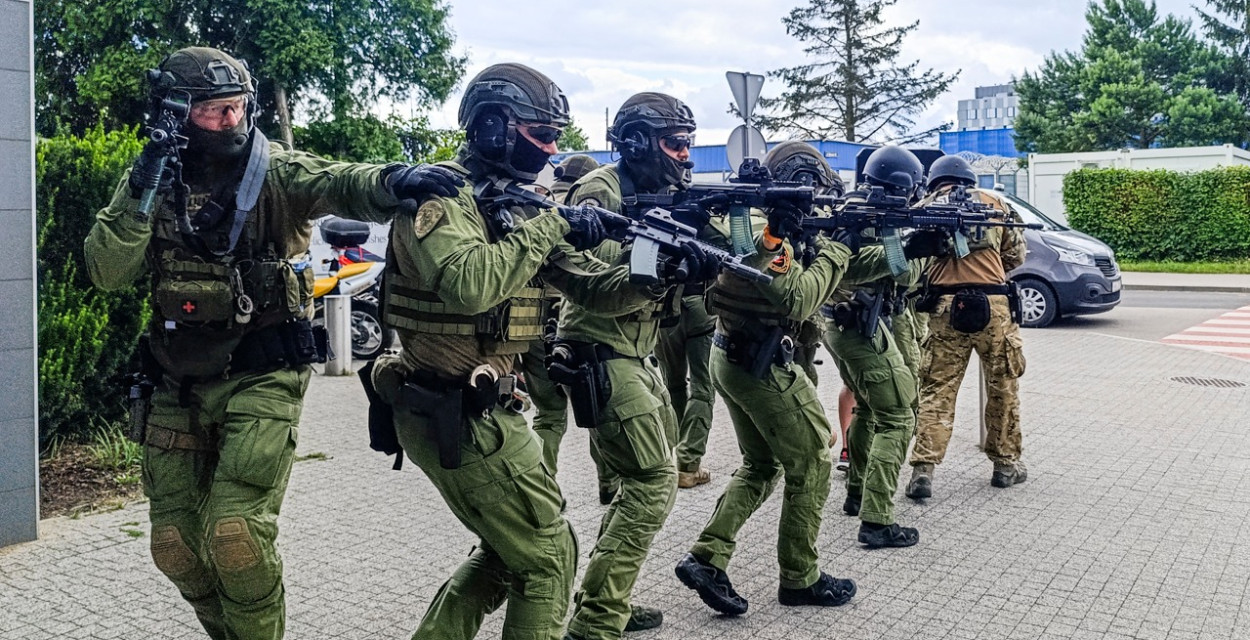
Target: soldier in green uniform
(780, 424)
(225, 235)
(997, 342)
(462, 294)
(550, 403)
(636, 428)
(684, 347)
(875, 370)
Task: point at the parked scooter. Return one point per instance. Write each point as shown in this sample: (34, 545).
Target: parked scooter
(361, 280)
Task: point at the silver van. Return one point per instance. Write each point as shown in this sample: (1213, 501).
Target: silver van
(1066, 272)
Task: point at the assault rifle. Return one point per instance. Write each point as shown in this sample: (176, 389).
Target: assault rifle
(166, 133)
(959, 217)
(657, 238)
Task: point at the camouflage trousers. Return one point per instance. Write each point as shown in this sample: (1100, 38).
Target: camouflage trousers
(526, 555)
(215, 472)
(685, 349)
(942, 371)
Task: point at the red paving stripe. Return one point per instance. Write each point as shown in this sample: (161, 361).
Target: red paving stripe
(1227, 334)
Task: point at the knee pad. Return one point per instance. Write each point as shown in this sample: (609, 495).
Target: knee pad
(245, 577)
(170, 553)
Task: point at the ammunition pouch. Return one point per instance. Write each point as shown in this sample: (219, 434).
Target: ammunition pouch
(756, 354)
(970, 306)
(382, 434)
(447, 403)
(289, 344)
(581, 369)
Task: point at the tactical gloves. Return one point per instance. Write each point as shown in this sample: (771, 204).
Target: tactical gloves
(926, 243)
(586, 230)
(147, 170)
(692, 266)
(848, 237)
(785, 222)
(418, 181)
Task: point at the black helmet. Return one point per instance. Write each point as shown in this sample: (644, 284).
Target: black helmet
(204, 73)
(797, 161)
(499, 98)
(572, 168)
(951, 169)
(896, 169)
(636, 132)
(526, 94)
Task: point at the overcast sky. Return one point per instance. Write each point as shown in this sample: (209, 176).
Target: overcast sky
(601, 53)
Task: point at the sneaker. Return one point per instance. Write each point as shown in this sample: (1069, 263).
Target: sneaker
(688, 479)
(827, 592)
(850, 506)
(712, 584)
(877, 536)
(921, 485)
(1006, 475)
(844, 461)
(643, 618)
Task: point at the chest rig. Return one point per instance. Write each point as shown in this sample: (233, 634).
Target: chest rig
(218, 274)
(506, 328)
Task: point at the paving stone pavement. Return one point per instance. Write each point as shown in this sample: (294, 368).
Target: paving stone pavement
(1133, 524)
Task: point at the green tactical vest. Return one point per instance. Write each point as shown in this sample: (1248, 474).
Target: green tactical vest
(204, 303)
(508, 328)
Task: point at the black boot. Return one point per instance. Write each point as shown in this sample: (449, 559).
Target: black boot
(851, 505)
(828, 591)
(712, 584)
(643, 618)
(876, 536)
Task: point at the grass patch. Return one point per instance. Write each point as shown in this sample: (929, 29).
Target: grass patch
(111, 450)
(134, 533)
(1236, 266)
(316, 455)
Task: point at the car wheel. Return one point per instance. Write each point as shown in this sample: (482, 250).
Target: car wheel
(1039, 306)
(368, 333)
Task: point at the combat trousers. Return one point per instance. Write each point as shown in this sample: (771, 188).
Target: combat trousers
(781, 428)
(551, 419)
(885, 415)
(946, 358)
(501, 492)
(215, 473)
(636, 437)
(684, 349)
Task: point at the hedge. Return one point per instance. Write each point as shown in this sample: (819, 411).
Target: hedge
(1163, 215)
(86, 336)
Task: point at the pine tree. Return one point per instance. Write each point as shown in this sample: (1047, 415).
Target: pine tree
(1234, 38)
(853, 88)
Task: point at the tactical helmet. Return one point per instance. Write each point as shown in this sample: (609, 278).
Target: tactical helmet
(797, 161)
(572, 168)
(895, 168)
(202, 72)
(524, 93)
(636, 132)
(951, 169)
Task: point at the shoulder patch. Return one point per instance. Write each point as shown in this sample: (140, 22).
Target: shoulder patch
(781, 264)
(432, 212)
(594, 202)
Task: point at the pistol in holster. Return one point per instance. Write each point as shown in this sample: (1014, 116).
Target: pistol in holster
(382, 434)
(446, 405)
(757, 354)
(584, 378)
(139, 387)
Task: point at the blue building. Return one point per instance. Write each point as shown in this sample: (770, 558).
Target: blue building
(987, 142)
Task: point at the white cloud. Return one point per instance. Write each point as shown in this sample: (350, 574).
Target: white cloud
(600, 53)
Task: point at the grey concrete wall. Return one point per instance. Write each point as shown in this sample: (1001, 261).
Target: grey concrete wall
(19, 457)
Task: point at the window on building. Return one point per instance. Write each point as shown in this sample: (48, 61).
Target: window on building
(1011, 112)
(972, 114)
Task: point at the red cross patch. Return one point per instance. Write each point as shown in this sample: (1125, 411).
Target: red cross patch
(189, 307)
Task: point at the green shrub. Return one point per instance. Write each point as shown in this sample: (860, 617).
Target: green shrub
(1163, 215)
(86, 336)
